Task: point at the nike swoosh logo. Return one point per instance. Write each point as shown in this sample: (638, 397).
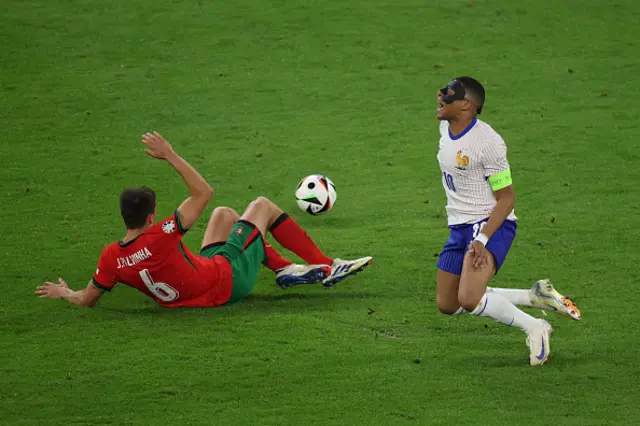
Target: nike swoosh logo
(543, 296)
(542, 351)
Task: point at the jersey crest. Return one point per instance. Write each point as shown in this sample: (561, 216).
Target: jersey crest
(240, 231)
(462, 161)
(169, 227)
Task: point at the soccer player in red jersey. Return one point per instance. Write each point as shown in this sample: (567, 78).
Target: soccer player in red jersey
(153, 259)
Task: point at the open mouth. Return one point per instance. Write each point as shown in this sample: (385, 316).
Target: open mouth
(441, 105)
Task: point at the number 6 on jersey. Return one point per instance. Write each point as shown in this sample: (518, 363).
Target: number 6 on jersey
(162, 291)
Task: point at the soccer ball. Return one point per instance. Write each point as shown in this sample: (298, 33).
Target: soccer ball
(316, 194)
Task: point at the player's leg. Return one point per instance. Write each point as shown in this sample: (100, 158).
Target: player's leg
(518, 297)
(274, 260)
(289, 274)
(291, 236)
(243, 246)
(448, 273)
(474, 298)
(542, 295)
(447, 293)
(264, 213)
(219, 227)
(269, 217)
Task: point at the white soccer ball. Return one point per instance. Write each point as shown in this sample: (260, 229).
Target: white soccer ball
(316, 194)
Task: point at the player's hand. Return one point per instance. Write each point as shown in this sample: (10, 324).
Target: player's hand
(479, 254)
(52, 290)
(158, 147)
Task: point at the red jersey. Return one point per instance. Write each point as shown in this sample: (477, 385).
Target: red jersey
(158, 264)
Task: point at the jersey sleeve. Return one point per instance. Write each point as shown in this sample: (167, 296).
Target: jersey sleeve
(176, 217)
(166, 231)
(171, 226)
(494, 163)
(105, 277)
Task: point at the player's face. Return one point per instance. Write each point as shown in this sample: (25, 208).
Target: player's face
(447, 111)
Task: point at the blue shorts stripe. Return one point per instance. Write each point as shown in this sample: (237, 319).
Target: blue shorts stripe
(451, 261)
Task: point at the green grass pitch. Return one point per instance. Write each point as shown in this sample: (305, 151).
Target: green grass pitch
(259, 93)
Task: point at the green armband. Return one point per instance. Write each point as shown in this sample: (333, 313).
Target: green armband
(501, 180)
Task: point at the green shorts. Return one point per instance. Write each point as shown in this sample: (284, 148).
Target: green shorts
(245, 251)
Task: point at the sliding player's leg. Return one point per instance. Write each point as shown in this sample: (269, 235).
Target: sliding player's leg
(270, 218)
(289, 274)
(292, 237)
(542, 295)
(240, 241)
(260, 214)
(218, 229)
(474, 298)
(225, 237)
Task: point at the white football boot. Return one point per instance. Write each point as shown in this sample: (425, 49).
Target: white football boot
(301, 274)
(544, 296)
(538, 343)
(341, 269)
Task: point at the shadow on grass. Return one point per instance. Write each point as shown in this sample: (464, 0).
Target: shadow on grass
(255, 303)
(517, 359)
(328, 295)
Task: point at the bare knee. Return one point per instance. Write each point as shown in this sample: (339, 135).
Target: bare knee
(447, 285)
(263, 202)
(225, 213)
(447, 306)
(469, 300)
(265, 205)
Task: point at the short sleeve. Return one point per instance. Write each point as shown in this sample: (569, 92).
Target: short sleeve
(105, 277)
(176, 217)
(494, 156)
(160, 238)
(170, 227)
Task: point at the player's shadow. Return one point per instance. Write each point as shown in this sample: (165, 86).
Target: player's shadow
(328, 295)
(254, 304)
(504, 361)
(558, 360)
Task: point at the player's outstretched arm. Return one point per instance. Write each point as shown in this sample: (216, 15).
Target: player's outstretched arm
(86, 298)
(199, 190)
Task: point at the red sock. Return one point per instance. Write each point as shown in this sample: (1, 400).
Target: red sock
(292, 237)
(273, 260)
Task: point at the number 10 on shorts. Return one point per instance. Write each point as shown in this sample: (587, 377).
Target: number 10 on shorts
(477, 228)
